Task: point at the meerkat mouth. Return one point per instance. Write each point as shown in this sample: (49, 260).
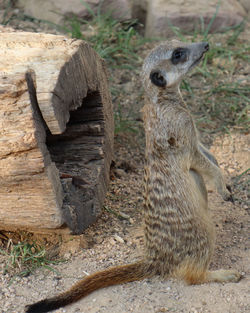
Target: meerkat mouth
(197, 61)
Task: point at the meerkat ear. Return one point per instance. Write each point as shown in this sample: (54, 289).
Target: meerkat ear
(157, 78)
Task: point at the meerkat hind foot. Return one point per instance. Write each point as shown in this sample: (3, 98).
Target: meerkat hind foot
(224, 276)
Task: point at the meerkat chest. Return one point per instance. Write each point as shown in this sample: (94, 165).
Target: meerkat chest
(170, 135)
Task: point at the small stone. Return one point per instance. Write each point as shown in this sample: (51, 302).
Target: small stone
(118, 238)
(131, 221)
(112, 241)
(98, 240)
(124, 215)
(33, 250)
(119, 173)
(67, 256)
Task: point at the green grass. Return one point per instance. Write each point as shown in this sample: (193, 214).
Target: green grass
(227, 101)
(24, 258)
(224, 103)
(122, 123)
(124, 119)
(117, 42)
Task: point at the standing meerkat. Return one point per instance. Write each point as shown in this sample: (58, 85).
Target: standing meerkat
(179, 234)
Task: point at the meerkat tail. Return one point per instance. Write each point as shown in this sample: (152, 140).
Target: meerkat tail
(112, 276)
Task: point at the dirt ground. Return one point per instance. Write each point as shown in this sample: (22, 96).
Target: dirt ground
(117, 236)
(112, 241)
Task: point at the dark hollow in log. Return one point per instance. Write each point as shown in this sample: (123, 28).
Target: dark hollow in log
(78, 155)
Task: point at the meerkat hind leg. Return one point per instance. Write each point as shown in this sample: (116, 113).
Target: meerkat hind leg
(223, 276)
(194, 275)
(219, 276)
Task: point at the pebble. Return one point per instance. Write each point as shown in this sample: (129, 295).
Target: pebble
(118, 238)
(131, 221)
(67, 256)
(120, 173)
(124, 215)
(112, 241)
(98, 240)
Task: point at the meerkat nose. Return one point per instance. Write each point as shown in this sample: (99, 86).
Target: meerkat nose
(206, 46)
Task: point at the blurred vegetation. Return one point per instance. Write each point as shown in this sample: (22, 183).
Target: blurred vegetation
(117, 42)
(219, 102)
(224, 99)
(23, 258)
(223, 103)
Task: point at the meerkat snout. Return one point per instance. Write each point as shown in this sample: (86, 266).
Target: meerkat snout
(206, 46)
(181, 55)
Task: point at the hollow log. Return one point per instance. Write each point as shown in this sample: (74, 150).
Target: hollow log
(56, 132)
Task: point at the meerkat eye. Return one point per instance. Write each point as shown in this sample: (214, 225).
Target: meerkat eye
(179, 55)
(157, 78)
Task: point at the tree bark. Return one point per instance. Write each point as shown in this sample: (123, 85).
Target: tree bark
(56, 132)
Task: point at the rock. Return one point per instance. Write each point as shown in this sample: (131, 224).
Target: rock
(120, 9)
(112, 241)
(119, 173)
(118, 238)
(139, 10)
(188, 14)
(131, 221)
(67, 256)
(98, 240)
(124, 215)
(55, 11)
(246, 5)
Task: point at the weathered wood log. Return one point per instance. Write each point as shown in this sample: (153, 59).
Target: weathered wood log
(56, 132)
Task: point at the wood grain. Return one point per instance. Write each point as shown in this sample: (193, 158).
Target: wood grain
(56, 132)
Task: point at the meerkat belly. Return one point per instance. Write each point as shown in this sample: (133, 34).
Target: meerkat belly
(177, 222)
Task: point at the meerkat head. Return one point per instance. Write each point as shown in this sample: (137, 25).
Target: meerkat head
(167, 64)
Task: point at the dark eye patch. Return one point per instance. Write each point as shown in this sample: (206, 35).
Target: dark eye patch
(180, 55)
(157, 78)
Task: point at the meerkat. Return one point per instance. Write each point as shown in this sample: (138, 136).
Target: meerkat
(179, 233)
